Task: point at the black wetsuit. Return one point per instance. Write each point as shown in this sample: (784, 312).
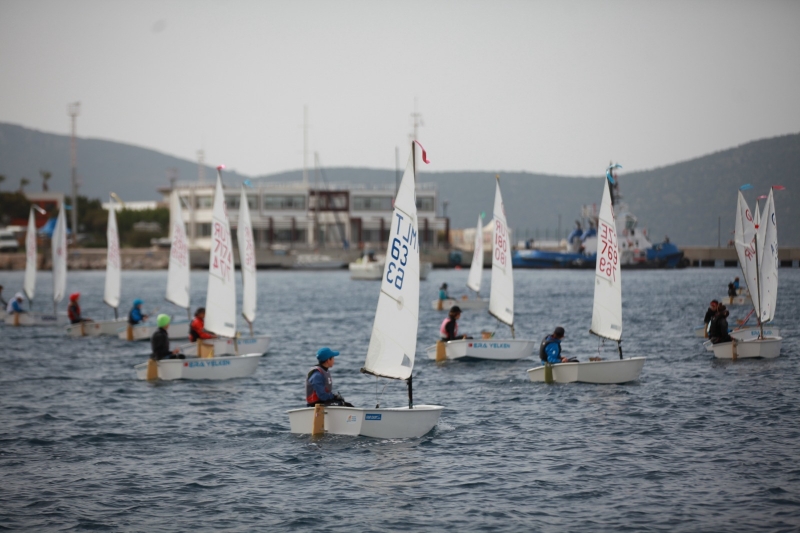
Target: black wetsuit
(159, 342)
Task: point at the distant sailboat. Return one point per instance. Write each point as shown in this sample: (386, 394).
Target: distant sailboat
(220, 310)
(756, 242)
(473, 280)
(177, 280)
(606, 312)
(393, 343)
(247, 263)
(112, 287)
(501, 301)
(59, 265)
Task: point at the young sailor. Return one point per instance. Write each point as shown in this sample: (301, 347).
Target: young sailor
(718, 328)
(159, 342)
(197, 327)
(15, 305)
(319, 383)
(74, 309)
(449, 327)
(550, 348)
(135, 315)
(710, 312)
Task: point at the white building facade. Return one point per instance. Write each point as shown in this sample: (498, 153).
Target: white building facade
(293, 215)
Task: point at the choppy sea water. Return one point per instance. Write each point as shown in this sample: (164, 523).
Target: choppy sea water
(694, 445)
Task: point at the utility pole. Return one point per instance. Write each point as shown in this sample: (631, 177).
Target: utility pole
(74, 110)
(305, 146)
(201, 166)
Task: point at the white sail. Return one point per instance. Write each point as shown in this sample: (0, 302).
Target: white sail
(394, 333)
(768, 259)
(178, 273)
(221, 295)
(607, 309)
(744, 240)
(30, 257)
(59, 249)
(476, 269)
(113, 264)
(501, 301)
(247, 259)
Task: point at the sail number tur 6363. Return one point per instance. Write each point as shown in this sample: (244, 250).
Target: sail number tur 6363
(404, 242)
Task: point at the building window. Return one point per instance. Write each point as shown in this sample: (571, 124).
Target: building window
(371, 235)
(284, 202)
(372, 203)
(232, 201)
(425, 203)
(204, 229)
(204, 202)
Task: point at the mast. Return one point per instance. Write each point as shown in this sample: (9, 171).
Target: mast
(758, 280)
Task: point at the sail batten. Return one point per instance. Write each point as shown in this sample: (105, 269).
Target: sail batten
(501, 300)
(476, 268)
(178, 272)
(247, 259)
(30, 257)
(113, 267)
(221, 295)
(607, 306)
(393, 343)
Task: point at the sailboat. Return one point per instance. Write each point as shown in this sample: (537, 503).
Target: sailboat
(393, 343)
(606, 312)
(177, 280)
(247, 263)
(756, 244)
(473, 280)
(501, 301)
(112, 287)
(220, 311)
(59, 265)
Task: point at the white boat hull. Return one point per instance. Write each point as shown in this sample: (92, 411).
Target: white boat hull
(600, 372)
(226, 367)
(38, 319)
(366, 271)
(383, 423)
(744, 334)
(759, 348)
(143, 332)
(473, 303)
(490, 349)
(736, 300)
(700, 331)
(258, 344)
(98, 328)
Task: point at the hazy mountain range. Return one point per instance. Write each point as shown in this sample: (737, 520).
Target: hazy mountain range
(683, 200)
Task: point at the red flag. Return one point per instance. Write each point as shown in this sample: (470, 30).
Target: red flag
(424, 153)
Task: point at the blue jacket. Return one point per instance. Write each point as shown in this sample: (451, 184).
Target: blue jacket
(317, 381)
(442, 294)
(16, 307)
(553, 350)
(135, 316)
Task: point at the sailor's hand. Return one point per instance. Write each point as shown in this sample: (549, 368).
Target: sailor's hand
(338, 397)
(176, 351)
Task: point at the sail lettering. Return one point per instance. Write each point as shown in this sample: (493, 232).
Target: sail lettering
(399, 221)
(249, 249)
(608, 257)
(500, 242)
(222, 262)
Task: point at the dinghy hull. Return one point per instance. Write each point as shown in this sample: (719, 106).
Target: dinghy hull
(226, 367)
(473, 303)
(736, 300)
(37, 319)
(383, 423)
(258, 344)
(143, 332)
(750, 349)
(752, 333)
(490, 349)
(598, 372)
(96, 329)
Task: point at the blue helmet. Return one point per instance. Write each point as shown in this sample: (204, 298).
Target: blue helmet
(137, 301)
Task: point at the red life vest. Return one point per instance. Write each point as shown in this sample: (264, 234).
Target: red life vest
(443, 328)
(74, 312)
(197, 330)
(311, 394)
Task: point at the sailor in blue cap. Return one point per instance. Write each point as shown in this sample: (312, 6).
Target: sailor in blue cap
(135, 316)
(319, 383)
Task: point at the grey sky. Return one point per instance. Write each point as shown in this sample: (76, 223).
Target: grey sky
(554, 87)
